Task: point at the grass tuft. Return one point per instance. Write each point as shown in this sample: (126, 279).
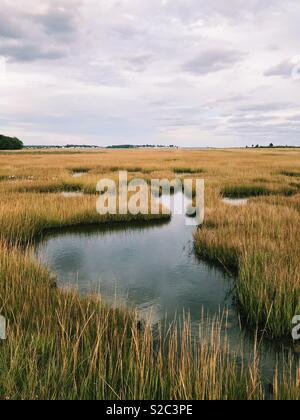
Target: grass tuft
(184, 170)
(291, 174)
(245, 191)
(80, 169)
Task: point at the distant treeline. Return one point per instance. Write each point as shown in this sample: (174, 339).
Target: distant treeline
(142, 146)
(10, 143)
(84, 146)
(68, 146)
(271, 146)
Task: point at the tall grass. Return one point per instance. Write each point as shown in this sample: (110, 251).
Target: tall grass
(287, 384)
(79, 170)
(61, 345)
(292, 174)
(247, 191)
(244, 191)
(188, 170)
(26, 216)
(260, 244)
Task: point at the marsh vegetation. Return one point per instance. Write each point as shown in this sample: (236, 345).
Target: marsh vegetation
(73, 346)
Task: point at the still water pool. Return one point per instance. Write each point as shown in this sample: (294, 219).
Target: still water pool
(152, 268)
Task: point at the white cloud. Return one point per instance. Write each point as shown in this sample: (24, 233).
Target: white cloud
(191, 72)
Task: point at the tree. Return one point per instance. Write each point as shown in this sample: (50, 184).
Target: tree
(10, 143)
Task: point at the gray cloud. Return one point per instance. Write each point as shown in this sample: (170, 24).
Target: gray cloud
(295, 118)
(100, 74)
(283, 69)
(28, 35)
(138, 62)
(57, 21)
(212, 61)
(266, 107)
(26, 52)
(126, 31)
(9, 27)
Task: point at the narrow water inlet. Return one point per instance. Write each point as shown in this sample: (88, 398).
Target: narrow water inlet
(70, 194)
(151, 268)
(78, 174)
(235, 201)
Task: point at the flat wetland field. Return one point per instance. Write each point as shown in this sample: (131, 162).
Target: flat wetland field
(61, 345)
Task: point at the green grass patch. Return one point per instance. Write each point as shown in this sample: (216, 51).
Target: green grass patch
(262, 180)
(245, 191)
(248, 191)
(295, 185)
(134, 169)
(292, 174)
(183, 170)
(52, 188)
(72, 185)
(262, 250)
(80, 170)
(287, 191)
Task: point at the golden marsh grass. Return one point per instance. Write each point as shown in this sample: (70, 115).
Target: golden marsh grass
(62, 345)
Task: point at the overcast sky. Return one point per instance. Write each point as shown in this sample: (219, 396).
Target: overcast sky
(185, 72)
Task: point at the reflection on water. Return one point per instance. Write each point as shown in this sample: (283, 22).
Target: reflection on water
(235, 201)
(150, 267)
(71, 194)
(78, 174)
